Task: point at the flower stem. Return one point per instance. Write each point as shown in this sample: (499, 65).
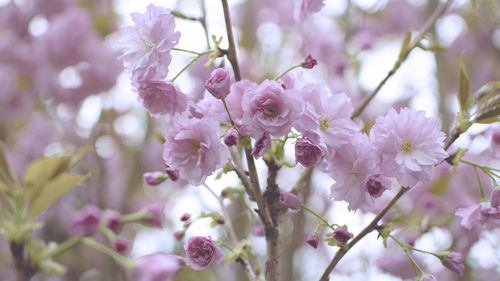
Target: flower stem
(195, 59)
(325, 222)
(286, 71)
(105, 250)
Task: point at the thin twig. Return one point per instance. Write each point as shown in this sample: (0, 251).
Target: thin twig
(423, 31)
(369, 228)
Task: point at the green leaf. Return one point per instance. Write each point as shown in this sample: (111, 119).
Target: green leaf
(45, 169)
(475, 4)
(52, 191)
(488, 106)
(463, 87)
(5, 176)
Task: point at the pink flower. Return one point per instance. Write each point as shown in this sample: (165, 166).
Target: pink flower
(302, 8)
(290, 200)
(161, 98)
(234, 101)
(309, 151)
(454, 261)
(113, 220)
(262, 145)
(147, 44)
(219, 83)
(351, 167)
(313, 240)
(121, 245)
(85, 222)
(268, 108)
(341, 234)
(154, 178)
(178, 235)
(201, 251)
(257, 229)
(193, 147)
(231, 138)
(158, 266)
(410, 144)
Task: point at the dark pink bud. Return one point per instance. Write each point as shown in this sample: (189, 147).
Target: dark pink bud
(155, 214)
(219, 83)
(308, 153)
(313, 240)
(85, 222)
(309, 62)
(454, 261)
(185, 217)
(290, 200)
(179, 235)
(496, 136)
(158, 266)
(154, 178)
(113, 220)
(172, 173)
(377, 184)
(258, 229)
(121, 245)
(495, 198)
(262, 145)
(201, 251)
(231, 138)
(341, 234)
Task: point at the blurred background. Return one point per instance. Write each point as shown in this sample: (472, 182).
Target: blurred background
(62, 88)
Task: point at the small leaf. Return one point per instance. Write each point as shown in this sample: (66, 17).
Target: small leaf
(44, 169)
(52, 191)
(475, 4)
(463, 87)
(5, 175)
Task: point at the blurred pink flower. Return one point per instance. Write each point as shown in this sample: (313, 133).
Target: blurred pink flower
(156, 267)
(262, 145)
(302, 8)
(454, 261)
(410, 144)
(85, 222)
(201, 251)
(161, 98)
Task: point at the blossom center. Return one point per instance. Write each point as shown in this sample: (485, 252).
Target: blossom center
(196, 145)
(323, 125)
(407, 146)
(271, 111)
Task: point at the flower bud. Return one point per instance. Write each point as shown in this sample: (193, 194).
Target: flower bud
(258, 229)
(113, 220)
(377, 184)
(262, 145)
(172, 173)
(309, 62)
(313, 240)
(155, 214)
(290, 200)
(185, 217)
(454, 261)
(154, 178)
(201, 251)
(178, 235)
(219, 83)
(85, 222)
(341, 234)
(231, 138)
(121, 245)
(495, 198)
(308, 153)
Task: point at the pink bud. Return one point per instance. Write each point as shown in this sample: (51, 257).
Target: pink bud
(219, 83)
(113, 220)
(308, 153)
(258, 229)
(155, 214)
(341, 234)
(231, 138)
(179, 235)
(85, 222)
(262, 145)
(454, 261)
(185, 217)
(309, 62)
(377, 184)
(201, 251)
(121, 245)
(158, 266)
(290, 200)
(495, 198)
(313, 240)
(172, 173)
(154, 178)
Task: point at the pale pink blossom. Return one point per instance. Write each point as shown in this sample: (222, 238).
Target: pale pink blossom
(234, 101)
(409, 144)
(261, 145)
(351, 167)
(161, 98)
(148, 43)
(193, 147)
(302, 8)
(158, 266)
(201, 251)
(268, 108)
(219, 83)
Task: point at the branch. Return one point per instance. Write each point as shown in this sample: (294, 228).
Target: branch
(425, 28)
(369, 228)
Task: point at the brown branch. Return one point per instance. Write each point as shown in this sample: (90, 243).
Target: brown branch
(425, 28)
(369, 228)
